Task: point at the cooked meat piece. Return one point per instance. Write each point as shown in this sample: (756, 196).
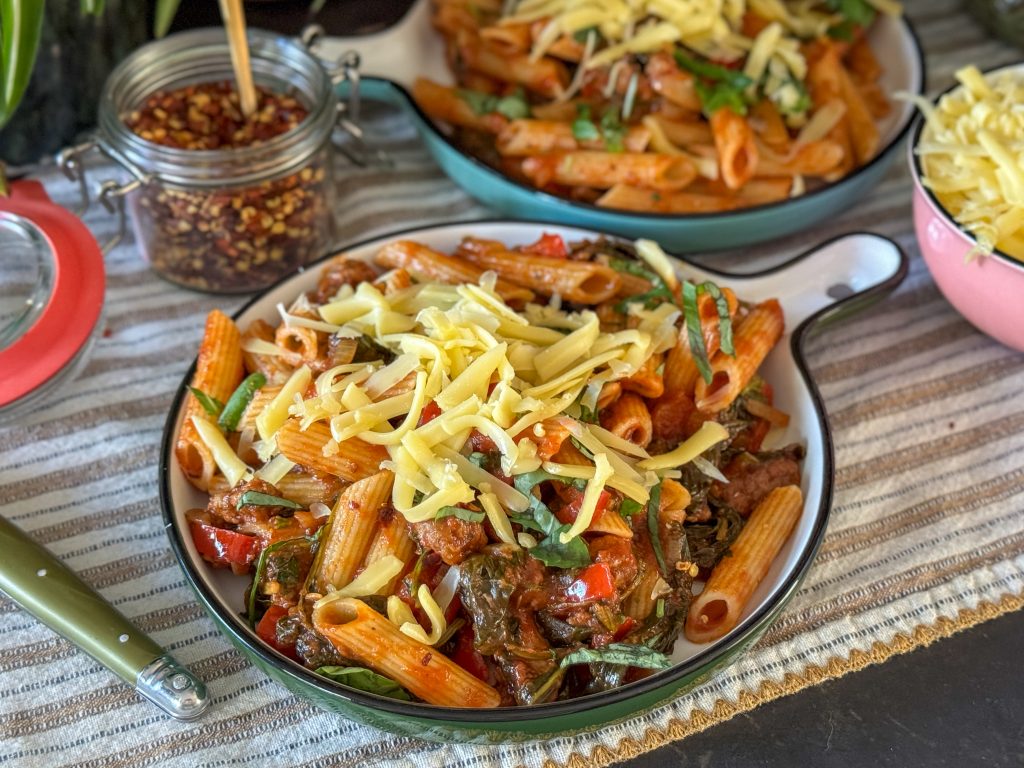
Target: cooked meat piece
(224, 505)
(670, 417)
(752, 478)
(342, 271)
(453, 539)
(501, 590)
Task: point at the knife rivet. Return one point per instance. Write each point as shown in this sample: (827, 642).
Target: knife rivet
(123, 638)
(179, 682)
(41, 572)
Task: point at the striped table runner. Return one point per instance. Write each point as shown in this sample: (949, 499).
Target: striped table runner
(927, 533)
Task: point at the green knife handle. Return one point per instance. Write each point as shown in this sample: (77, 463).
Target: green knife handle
(54, 594)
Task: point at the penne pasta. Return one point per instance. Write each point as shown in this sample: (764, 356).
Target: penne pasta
(435, 476)
(629, 419)
(427, 264)
(580, 282)
(362, 634)
(350, 531)
(353, 459)
(754, 337)
(737, 150)
(719, 607)
(218, 372)
(603, 170)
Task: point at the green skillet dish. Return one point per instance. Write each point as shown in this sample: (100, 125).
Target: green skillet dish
(837, 278)
(393, 59)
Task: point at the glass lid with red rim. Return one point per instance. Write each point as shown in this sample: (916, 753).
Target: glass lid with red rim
(51, 295)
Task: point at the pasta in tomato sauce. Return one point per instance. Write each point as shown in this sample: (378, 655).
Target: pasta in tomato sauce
(492, 476)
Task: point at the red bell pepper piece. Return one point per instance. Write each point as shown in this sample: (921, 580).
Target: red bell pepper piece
(221, 547)
(594, 583)
(430, 412)
(266, 628)
(624, 629)
(548, 245)
(467, 656)
(570, 511)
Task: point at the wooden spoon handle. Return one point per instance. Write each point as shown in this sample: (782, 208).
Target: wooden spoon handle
(234, 22)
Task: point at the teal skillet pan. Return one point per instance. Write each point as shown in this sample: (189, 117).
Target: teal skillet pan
(835, 279)
(49, 590)
(392, 60)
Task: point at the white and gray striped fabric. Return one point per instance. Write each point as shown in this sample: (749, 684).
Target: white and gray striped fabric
(928, 518)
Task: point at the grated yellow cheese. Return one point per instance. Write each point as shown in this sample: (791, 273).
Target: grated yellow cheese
(972, 151)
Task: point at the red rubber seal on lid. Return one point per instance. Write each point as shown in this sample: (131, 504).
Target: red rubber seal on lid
(73, 308)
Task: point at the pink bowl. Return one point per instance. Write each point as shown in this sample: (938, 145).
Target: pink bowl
(988, 290)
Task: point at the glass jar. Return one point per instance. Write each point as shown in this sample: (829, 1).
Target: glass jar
(51, 298)
(1002, 18)
(223, 220)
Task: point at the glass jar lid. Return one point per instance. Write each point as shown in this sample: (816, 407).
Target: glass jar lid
(51, 293)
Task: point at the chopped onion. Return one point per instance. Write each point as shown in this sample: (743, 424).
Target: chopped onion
(319, 509)
(709, 469)
(445, 591)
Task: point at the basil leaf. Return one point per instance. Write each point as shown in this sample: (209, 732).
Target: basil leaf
(724, 321)
(514, 106)
(239, 401)
(581, 35)
(583, 128)
(261, 569)
(211, 405)
(714, 97)
(257, 499)
(527, 522)
(716, 86)
(619, 653)
(652, 526)
(551, 551)
(694, 332)
(713, 72)
(481, 103)
(859, 12)
(658, 294)
(363, 679)
(468, 515)
(613, 130)
(630, 507)
(478, 459)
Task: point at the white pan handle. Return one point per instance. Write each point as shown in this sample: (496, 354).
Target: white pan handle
(846, 274)
(407, 50)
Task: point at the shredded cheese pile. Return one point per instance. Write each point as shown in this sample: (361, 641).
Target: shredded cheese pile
(488, 368)
(712, 28)
(972, 151)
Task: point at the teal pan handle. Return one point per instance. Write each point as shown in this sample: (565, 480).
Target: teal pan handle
(49, 590)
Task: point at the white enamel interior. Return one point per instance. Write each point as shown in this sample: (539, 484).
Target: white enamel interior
(413, 48)
(857, 262)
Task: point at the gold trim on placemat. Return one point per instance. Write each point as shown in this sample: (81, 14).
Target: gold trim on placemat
(923, 635)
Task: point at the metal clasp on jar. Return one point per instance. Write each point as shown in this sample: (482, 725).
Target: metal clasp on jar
(110, 193)
(352, 142)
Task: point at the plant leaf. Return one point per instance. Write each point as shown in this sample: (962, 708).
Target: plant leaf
(694, 332)
(724, 321)
(583, 128)
(653, 505)
(619, 653)
(630, 507)
(21, 27)
(551, 551)
(164, 16)
(211, 405)
(468, 515)
(239, 401)
(257, 499)
(363, 679)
